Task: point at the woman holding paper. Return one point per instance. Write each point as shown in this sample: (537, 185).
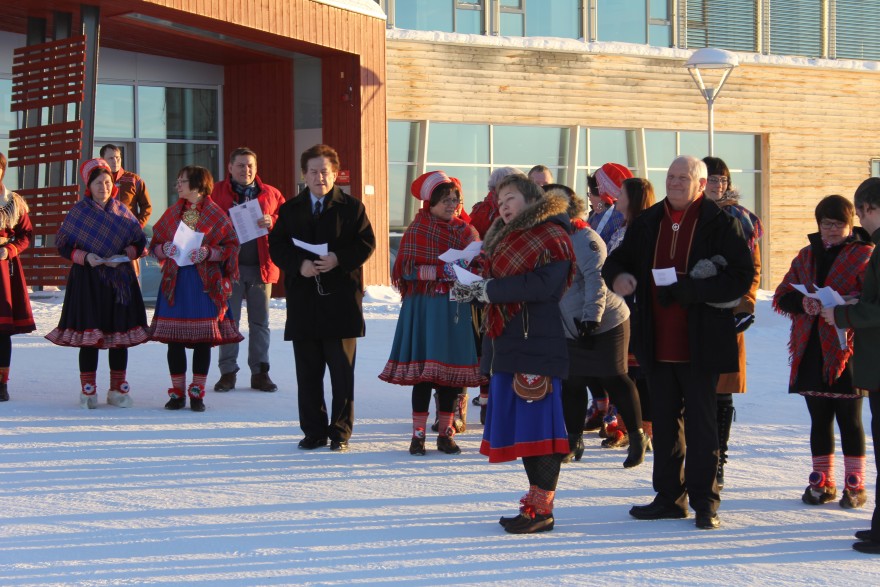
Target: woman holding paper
(197, 248)
(530, 264)
(103, 307)
(434, 343)
(820, 369)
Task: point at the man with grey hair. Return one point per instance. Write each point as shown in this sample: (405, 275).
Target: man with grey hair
(484, 213)
(679, 313)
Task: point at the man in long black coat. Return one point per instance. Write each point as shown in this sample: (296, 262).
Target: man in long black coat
(324, 294)
(684, 335)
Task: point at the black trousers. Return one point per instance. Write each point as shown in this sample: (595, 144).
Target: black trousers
(683, 404)
(313, 357)
(874, 402)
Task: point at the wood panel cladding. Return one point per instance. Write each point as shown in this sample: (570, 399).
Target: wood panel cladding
(820, 126)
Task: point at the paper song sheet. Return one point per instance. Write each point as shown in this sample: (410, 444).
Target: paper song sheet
(245, 217)
(186, 240)
(828, 298)
(319, 249)
(466, 254)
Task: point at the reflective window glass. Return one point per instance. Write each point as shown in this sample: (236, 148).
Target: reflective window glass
(160, 162)
(660, 148)
(875, 167)
(661, 35)
(695, 143)
(525, 146)
(748, 184)
(400, 202)
(469, 22)
(473, 183)
(10, 178)
(739, 151)
(458, 143)
(178, 113)
(659, 9)
(796, 27)
(512, 24)
(612, 145)
(114, 111)
(7, 117)
(553, 18)
(424, 15)
(403, 141)
(622, 20)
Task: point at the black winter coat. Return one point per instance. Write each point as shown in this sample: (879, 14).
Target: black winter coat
(711, 331)
(345, 228)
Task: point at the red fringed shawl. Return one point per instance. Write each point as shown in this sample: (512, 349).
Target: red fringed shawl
(217, 277)
(522, 251)
(845, 276)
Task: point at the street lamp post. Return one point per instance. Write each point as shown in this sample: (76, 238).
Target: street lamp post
(715, 65)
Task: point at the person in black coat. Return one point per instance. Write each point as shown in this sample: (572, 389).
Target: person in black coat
(324, 294)
(674, 324)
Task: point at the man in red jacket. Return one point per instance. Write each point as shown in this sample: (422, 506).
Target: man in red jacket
(257, 272)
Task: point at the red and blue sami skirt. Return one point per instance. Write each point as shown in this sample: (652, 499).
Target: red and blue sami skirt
(516, 428)
(192, 319)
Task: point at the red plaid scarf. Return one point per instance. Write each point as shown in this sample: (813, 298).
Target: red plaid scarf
(426, 239)
(845, 276)
(217, 277)
(528, 242)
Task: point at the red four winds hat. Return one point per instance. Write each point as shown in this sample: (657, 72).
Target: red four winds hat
(609, 178)
(425, 184)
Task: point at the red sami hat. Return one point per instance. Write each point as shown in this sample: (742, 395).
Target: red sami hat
(425, 184)
(86, 169)
(609, 178)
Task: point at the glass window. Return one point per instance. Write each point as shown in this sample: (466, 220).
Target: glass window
(512, 24)
(401, 205)
(796, 27)
(114, 111)
(875, 167)
(726, 24)
(661, 35)
(458, 143)
(553, 18)
(659, 9)
(424, 15)
(403, 141)
(469, 22)
(10, 178)
(525, 146)
(857, 30)
(739, 151)
(617, 146)
(178, 113)
(622, 20)
(8, 119)
(694, 143)
(473, 182)
(160, 163)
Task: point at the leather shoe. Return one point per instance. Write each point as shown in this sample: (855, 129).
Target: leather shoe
(312, 442)
(339, 445)
(657, 511)
(863, 535)
(261, 382)
(707, 521)
(226, 381)
(867, 546)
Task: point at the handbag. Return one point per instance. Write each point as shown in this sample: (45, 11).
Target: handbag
(531, 387)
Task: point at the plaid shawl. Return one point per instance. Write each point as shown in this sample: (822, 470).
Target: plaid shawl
(845, 276)
(217, 277)
(427, 238)
(527, 243)
(752, 226)
(104, 231)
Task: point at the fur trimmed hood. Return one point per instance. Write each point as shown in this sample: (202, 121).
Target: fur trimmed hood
(553, 206)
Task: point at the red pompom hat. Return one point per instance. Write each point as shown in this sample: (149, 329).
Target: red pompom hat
(609, 178)
(426, 183)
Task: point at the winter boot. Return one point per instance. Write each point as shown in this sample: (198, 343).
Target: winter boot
(575, 448)
(261, 382)
(226, 381)
(820, 490)
(119, 397)
(176, 399)
(525, 507)
(725, 414)
(417, 445)
(88, 398)
(610, 418)
(541, 520)
(445, 443)
(638, 444)
(196, 393)
(854, 495)
(648, 427)
(461, 408)
(616, 432)
(4, 392)
(594, 418)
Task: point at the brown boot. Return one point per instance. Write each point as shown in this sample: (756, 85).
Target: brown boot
(226, 382)
(260, 381)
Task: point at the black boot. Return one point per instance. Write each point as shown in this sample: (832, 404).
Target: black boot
(4, 392)
(575, 448)
(726, 414)
(638, 444)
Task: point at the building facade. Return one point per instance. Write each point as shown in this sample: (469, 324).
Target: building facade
(571, 84)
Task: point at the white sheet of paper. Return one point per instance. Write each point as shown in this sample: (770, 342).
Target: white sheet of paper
(186, 240)
(319, 249)
(245, 217)
(665, 276)
(829, 298)
(468, 253)
(116, 259)
(465, 276)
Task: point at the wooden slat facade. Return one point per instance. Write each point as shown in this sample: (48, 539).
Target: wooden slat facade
(820, 126)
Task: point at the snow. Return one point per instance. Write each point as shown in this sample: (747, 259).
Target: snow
(367, 7)
(618, 48)
(146, 496)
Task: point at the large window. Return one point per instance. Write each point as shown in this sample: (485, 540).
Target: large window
(540, 18)
(8, 122)
(471, 152)
(795, 27)
(450, 16)
(730, 24)
(856, 29)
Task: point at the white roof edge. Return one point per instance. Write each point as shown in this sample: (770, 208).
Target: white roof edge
(617, 48)
(366, 7)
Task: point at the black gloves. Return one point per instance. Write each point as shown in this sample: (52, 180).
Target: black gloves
(743, 320)
(682, 291)
(585, 329)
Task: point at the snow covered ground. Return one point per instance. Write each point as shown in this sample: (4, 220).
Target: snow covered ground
(146, 496)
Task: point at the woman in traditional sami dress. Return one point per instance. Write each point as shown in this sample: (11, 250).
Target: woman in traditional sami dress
(15, 306)
(103, 307)
(529, 264)
(434, 342)
(192, 310)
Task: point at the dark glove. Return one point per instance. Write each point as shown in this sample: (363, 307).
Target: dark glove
(743, 320)
(585, 329)
(682, 291)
